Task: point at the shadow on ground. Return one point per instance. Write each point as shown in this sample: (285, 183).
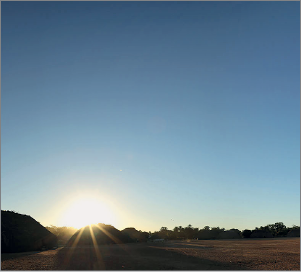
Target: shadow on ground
(204, 255)
(134, 257)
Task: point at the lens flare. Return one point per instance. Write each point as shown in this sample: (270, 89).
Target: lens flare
(86, 211)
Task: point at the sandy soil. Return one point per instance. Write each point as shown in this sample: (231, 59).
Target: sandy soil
(244, 254)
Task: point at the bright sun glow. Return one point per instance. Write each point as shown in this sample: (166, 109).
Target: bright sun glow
(87, 211)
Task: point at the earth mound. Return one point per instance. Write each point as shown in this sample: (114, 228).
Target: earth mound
(135, 235)
(20, 232)
(99, 234)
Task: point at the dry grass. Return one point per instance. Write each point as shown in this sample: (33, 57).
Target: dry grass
(244, 254)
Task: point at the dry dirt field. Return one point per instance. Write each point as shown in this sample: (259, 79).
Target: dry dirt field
(244, 254)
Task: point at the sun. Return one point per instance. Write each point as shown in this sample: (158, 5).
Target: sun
(87, 211)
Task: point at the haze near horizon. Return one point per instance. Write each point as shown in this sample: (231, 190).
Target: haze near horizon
(151, 114)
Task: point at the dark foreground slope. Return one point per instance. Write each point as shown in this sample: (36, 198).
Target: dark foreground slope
(21, 233)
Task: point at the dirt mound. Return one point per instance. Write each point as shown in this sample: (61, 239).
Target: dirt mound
(135, 235)
(100, 234)
(21, 233)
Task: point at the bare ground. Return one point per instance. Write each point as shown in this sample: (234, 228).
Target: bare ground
(243, 254)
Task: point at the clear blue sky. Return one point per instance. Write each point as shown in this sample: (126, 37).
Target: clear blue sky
(198, 103)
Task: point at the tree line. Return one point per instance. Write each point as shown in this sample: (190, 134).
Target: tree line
(276, 230)
(179, 233)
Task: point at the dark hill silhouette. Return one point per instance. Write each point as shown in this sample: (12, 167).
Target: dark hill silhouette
(100, 234)
(135, 235)
(21, 233)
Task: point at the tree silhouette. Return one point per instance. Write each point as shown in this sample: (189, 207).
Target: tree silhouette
(246, 233)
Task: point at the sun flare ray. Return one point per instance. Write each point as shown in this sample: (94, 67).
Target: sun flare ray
(115, 239)
(100, 263)
(73, 245)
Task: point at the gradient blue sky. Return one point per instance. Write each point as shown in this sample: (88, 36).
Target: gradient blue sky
(198, 103)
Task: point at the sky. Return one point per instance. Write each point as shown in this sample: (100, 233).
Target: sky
(162, 113)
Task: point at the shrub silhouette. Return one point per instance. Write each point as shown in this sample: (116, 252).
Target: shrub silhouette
(261, 234)
(294, 233)
(246, 233)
